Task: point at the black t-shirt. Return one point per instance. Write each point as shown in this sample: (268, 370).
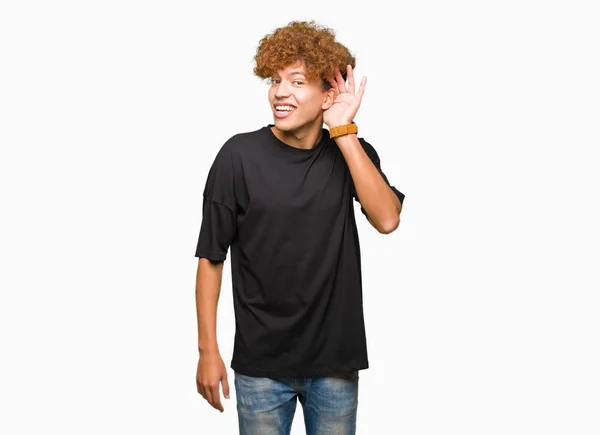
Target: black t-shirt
(287, 214)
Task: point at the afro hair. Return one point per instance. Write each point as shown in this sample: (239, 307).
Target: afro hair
(307, 42)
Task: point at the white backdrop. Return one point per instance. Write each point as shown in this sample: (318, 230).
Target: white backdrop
(481, 308)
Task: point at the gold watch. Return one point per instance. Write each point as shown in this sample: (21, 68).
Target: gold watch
(341, 130)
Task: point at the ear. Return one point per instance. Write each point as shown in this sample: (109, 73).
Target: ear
(329, 99)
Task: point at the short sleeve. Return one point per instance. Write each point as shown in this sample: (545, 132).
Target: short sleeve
(216, 231)
(370, 151)
(218, 226)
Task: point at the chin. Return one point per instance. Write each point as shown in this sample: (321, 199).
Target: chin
(282, 125)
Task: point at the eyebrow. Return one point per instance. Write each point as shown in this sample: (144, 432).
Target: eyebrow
(293, 73)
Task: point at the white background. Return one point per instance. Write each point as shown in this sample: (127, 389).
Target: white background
(482, 308)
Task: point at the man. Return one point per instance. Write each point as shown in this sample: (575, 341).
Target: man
(282, 198)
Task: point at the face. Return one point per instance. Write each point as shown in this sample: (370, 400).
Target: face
(302, 101)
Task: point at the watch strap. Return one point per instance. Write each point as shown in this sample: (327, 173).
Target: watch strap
(342, 130)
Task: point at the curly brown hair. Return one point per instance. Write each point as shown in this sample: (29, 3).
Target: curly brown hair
(306, 41)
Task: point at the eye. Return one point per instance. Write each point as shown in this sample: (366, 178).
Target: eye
(273, 80)
(298, 81)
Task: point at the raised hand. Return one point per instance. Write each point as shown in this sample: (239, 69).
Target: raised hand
(346, 103)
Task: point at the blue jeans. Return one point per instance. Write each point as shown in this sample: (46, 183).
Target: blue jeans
(266, 406)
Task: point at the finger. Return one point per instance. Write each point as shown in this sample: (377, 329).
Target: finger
(216, 397)
(225, 387)
(207, 393)
(350, 76)
(201, 389)
(340, 79)
(361, 89)
(334, 85)
(335, 76)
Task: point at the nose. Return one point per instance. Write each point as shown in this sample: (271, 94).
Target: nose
(282, 90)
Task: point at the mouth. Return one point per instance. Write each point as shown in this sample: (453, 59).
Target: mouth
(283, 111)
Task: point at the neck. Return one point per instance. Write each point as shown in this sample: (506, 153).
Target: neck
(306, 137)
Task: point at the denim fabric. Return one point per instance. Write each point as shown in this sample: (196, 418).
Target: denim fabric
(266, 406)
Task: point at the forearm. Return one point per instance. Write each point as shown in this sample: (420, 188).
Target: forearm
(208, 288)
(379, 201)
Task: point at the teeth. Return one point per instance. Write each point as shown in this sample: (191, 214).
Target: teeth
(289, 108)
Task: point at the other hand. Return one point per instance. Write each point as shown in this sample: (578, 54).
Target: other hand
(211, 372)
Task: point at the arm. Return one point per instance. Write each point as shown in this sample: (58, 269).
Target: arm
(217, 231)
(208, 289)
(211, 370)
(379, 201)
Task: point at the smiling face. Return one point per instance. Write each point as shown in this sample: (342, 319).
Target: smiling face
(297, 102)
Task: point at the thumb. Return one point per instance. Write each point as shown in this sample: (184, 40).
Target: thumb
(225, 386)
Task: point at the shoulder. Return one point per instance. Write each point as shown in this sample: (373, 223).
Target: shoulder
(240, 142)
(232, 151)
